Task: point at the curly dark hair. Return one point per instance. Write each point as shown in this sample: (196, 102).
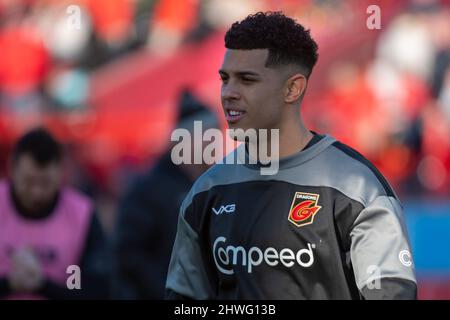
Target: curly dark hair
(288, 41)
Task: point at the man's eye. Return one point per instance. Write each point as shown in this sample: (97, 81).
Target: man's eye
(248, 80)
(223, 79)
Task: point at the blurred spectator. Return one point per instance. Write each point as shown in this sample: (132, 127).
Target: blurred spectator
(444, 95)
(434, 166)
(176, 22)
(171, 21)
(47, 227)
(407, 43)
(68, 88)
(24, 60)
(440, 27)
(147, 217)
(391, 92)
(112, 21)
(221, 14)
(66, 26)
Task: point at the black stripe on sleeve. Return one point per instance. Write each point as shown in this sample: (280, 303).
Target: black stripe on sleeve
(359, 157)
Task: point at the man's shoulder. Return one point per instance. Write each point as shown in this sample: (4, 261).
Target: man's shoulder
(355, 173)
(218, 174)
(225, 172)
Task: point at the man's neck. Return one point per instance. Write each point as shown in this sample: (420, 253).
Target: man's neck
(293, 140)
(290, 140)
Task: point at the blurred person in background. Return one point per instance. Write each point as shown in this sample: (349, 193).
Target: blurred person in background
(47, 227)
(148, 214)
(175, 23)
(112, 22)
(408, 78)
(24, 59)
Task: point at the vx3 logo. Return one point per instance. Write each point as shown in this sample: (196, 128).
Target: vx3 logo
(229, 208)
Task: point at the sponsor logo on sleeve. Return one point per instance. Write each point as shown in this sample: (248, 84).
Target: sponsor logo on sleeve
(405, 258)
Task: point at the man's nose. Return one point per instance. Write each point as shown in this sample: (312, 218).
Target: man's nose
(230, 92)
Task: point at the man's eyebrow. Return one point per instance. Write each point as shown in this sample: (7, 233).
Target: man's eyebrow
(241, 73)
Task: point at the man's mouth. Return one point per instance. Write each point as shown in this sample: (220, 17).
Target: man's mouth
(233, 116)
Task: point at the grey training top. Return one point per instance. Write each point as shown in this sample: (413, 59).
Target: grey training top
(326, 226)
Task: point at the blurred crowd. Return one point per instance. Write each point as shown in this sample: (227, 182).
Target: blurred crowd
(384, 92)
(391, 103)
(394, 107)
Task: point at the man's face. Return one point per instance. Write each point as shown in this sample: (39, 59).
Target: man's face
(35, 186)
(252, 95)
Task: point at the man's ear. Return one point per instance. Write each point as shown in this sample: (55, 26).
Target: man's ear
(295, 87)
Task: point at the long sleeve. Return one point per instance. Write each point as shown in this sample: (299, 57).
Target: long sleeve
(187, 277)
(380, 252)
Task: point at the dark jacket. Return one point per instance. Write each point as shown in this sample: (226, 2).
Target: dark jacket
(145, 231)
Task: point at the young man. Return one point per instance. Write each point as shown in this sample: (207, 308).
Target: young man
(327, 225)
(46, 227)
